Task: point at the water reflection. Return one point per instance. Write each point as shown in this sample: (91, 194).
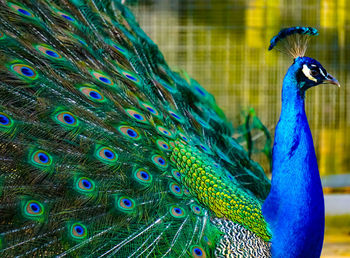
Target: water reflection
(223, 44)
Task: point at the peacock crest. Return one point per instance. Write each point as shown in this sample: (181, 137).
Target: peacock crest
(293, 41)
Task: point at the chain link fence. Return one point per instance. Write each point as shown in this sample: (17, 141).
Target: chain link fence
(223, 44)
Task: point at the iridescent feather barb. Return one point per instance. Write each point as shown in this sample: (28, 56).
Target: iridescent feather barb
(293, 41)
(105, 151)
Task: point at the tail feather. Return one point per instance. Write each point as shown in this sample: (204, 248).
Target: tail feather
(90, 114)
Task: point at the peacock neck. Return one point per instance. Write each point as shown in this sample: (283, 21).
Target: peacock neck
(294, 208)
(292, 100)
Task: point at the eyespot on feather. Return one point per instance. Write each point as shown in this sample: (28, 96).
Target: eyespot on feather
(198, 252)
(150, 109)
(131, 76)
(187, 192)
(6, 121)
(143, 176)
(67, 119)
(201, 121)
(176, 174)
(183, 137)
(48, 52)
(168, 87)
(102, 78)
(24, 71)
(196, 209)
(125, 204)
(164, 131)
(120, 49)
(93, 94)
(175, 189)
(205, 148)
(176, 116)
(163, 145)
(25, 12)
(139, 117)
(177, 212)
(106, 155)
(159, 161)
(66, 16)
(79, 40)
(200, 90)
(2, 35)
(78, 231)
(129, 132)
(85, 185)
(41, 158)
(32, 210)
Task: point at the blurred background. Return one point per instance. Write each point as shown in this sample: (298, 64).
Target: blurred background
(223, 44)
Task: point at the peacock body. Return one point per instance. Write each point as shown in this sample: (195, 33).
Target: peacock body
(105, 151)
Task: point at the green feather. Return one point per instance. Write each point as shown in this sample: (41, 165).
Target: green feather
(105, 151)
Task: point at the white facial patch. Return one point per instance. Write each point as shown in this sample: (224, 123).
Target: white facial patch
(307, 73)
(322, 73)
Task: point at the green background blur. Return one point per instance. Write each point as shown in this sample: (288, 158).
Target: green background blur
(223, 44)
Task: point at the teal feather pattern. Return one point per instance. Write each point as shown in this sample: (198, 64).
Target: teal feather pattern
(285, 33)
(293, 41)
(105, 151)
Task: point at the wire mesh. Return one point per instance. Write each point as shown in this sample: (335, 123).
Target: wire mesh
(223, 44)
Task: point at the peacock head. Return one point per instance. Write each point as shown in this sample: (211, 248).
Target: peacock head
(311, 73)
(308, 71)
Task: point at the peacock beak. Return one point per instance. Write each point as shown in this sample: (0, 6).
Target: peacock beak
(331, 80)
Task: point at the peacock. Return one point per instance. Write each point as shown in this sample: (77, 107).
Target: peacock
(107, 152)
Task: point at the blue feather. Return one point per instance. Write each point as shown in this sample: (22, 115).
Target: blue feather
(295, 203)
(290, 31)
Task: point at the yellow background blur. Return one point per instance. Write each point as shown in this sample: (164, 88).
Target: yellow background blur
(223, 44)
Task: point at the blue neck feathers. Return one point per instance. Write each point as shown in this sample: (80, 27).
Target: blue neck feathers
(294, 208)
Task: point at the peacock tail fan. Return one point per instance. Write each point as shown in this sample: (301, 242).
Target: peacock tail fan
(293, 41)
(105, 151)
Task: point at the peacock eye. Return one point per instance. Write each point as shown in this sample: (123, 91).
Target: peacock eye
(314, 73)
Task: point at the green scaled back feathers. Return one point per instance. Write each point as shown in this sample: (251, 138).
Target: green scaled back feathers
(105, 151)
